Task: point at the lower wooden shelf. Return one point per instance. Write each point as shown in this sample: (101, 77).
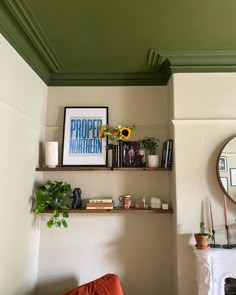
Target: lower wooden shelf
(119, 210)
(63, 169)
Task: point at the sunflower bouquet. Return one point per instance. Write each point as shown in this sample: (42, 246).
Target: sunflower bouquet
(115, 134)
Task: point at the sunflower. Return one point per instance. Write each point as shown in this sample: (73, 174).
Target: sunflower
(115, 133)
(101, 132)
(125, 133)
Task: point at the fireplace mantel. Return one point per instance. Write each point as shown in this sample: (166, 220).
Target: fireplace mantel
(213, 267)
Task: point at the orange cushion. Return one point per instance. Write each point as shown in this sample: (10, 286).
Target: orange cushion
(108, 284)
(82, 290)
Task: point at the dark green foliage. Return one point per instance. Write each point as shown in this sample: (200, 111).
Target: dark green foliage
(54, 195)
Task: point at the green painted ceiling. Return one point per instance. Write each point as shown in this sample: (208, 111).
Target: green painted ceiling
(111, 42)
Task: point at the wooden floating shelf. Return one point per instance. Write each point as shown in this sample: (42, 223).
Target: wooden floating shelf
(118, 210)
(93, 168)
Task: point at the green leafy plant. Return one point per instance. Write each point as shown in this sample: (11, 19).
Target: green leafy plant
(150, 144)
(53, 195)
(204, 230)
(202, 227)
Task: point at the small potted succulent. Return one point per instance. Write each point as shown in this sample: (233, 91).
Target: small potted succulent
(151, 144)
(202, 238)
(54, 195)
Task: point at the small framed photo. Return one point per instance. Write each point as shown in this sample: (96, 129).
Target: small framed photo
(133, 154)
(224, 181)
(233, 177)
(81, 145)
(223, 164)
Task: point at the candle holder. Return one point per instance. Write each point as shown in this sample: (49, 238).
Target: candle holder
(228, 245)
(214, 245)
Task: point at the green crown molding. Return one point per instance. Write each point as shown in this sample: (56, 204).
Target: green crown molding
(25, 18)
(200, 61)
(20, 27)
(20, 42)
(110, 77)
(154, 59)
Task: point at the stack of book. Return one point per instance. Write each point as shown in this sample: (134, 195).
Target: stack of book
(100, 203)
(167, 154)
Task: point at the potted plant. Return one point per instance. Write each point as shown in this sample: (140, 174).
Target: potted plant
(202, 238)
(151, 144)
(53, 195)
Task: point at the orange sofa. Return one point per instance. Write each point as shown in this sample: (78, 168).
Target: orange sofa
(108, 284)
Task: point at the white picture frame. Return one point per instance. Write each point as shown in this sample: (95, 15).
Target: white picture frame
(224, 181)
(233, 177)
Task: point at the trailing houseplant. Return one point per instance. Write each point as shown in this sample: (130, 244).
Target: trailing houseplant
(53, 195)
(151, 144)
(202, 238)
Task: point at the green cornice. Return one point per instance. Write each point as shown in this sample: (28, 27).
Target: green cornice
(20, 27)
(110, 77)
(200, 61)
(10, 29)
(25, 18)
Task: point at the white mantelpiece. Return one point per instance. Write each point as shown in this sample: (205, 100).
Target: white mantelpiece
(213, 267)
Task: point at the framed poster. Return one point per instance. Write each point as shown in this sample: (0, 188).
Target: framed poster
(224, 181)
(223, 164)
(81, 145)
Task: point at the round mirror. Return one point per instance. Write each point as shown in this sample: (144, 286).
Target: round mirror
(226, 169)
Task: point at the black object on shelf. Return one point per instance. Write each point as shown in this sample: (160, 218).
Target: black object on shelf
(214, 245)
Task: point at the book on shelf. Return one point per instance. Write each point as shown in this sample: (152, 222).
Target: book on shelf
(170, 154)
(164, 154)
(104, 206)
(167, 154)
(100, 204)
(100, 200)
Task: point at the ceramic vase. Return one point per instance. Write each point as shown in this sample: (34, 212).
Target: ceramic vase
(51, 154)
(125, 201)
(153, 160)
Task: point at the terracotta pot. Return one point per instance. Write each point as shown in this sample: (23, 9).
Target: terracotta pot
(202, 241)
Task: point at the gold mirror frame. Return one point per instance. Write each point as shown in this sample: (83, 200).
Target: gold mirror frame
(228, 168)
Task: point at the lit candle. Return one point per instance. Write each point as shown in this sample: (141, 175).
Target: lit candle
(225, 209)
(212, 223)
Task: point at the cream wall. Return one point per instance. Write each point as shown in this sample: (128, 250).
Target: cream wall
(204, 119)
(139, 248)
(22, 109)
(136, 247)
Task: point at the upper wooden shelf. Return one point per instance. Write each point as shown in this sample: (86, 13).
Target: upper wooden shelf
(119, 210)
(93, 168)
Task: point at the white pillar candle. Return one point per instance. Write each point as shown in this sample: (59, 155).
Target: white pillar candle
(51, 154)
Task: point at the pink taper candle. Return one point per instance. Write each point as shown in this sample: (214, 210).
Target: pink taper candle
(212, 223)
(225, 209)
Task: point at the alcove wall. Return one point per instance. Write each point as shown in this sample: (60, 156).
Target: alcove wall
(136, 247)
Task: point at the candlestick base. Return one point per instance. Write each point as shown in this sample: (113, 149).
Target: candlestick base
(215, 246)
(228, 246)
